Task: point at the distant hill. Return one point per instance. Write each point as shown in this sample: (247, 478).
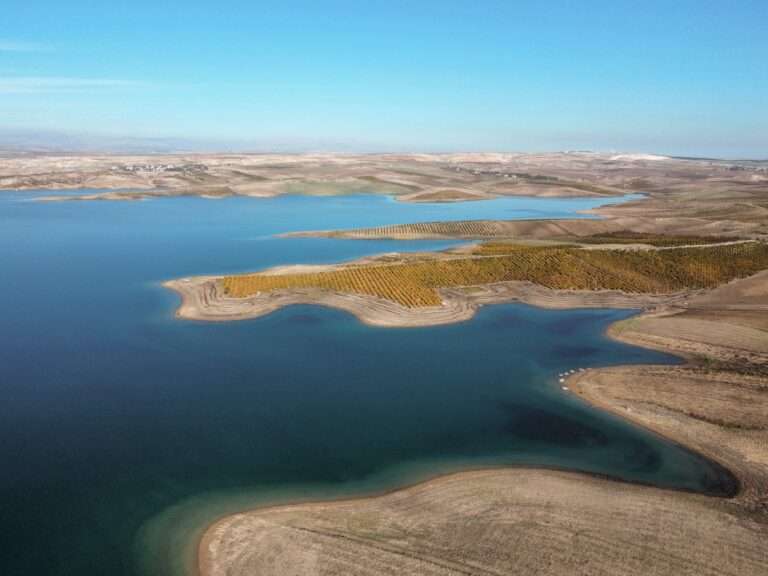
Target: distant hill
(49, 141)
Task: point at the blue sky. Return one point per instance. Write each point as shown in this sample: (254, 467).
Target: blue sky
(683, 76)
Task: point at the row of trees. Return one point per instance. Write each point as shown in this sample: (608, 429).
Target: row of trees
(415, 284)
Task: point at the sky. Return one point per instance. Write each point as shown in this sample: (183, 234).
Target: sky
(687, 77)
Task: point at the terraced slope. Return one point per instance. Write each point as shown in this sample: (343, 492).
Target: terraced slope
(660, 240)
(458, 229)
(629, 230)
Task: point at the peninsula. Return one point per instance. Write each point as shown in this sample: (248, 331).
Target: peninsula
(413, 288)
(552, 522)
(694, 260)
(684, 241)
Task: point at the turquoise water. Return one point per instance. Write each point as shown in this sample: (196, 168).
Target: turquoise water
(120, 424)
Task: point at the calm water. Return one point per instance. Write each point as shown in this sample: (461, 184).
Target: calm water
(120, 424)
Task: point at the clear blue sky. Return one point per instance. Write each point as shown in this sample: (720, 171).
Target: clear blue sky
(679, 76)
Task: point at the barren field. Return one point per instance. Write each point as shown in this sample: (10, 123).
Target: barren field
(494, 522)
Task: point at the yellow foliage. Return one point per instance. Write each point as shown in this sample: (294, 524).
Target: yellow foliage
(415, 284)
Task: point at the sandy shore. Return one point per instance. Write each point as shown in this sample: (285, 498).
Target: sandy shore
(514, 521)
(528, 521)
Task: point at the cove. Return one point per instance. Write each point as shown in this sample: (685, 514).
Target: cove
(123, 429)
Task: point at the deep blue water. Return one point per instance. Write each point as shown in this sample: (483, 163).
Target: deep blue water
(112, 411)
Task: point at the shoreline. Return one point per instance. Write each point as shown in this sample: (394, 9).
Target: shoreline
(721, 199)
(744, 489)
(466, 474)
(470, 478)
(510, 473)
(411, 177)
(211, 531)
(121, 193)
(203, 299)
(117, 195)
(461, 475)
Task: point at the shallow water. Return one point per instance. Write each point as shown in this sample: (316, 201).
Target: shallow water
(118, 422)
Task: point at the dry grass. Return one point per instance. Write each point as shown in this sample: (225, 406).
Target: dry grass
(660, 240)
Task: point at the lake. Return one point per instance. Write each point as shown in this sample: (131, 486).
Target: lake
(123, 430)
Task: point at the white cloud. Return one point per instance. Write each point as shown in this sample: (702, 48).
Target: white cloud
(17, 46)
(48, 84)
